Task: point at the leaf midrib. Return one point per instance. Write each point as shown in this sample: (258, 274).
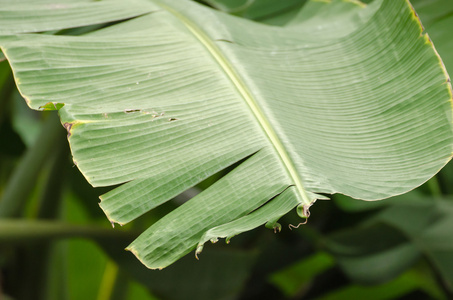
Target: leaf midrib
(245, 93)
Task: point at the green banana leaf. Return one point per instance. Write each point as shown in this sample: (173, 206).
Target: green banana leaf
(345, 98)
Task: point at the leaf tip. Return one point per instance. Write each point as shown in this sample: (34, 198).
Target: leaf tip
(304, 212)
(134, 251)
(274, 225)
(199, 249)
(109, 217)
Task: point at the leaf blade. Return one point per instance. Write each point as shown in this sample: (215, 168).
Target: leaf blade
(361, 107)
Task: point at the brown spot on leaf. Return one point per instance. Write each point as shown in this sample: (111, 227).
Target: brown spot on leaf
(68, 127)
(127, 111)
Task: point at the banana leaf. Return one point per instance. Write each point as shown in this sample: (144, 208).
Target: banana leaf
(345, 98)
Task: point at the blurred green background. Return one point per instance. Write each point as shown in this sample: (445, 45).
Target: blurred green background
(55, 242)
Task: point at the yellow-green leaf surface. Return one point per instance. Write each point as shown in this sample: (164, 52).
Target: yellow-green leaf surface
(345, 98)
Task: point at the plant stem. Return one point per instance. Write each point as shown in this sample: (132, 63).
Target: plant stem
(24, 231)
(26, 173)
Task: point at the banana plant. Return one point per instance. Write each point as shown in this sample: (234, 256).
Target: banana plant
(158, 95)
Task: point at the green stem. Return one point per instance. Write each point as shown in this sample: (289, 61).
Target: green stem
(24, 231)
(26, 173)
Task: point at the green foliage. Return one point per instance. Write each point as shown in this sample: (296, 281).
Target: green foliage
(331, 98)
